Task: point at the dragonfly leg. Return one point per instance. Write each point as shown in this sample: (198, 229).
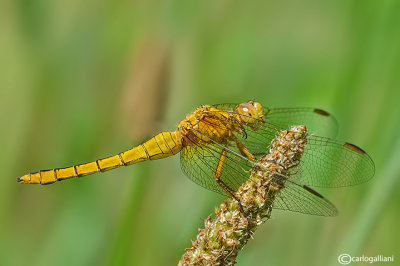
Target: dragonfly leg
(243, 150)
(222, 184)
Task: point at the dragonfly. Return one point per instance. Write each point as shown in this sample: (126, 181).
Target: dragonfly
(219, 144)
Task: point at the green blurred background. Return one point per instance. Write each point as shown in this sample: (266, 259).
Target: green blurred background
(81, 80)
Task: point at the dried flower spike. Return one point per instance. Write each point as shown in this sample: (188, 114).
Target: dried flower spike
(224, 236)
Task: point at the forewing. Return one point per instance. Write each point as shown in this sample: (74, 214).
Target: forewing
(317, 121)
(257, 137)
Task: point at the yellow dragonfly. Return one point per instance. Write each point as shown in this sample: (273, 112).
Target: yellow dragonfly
(218, 144)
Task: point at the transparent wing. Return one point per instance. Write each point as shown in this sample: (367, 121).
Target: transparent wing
(199, 162)
(333, 163)
(317, 121)
(300, 198)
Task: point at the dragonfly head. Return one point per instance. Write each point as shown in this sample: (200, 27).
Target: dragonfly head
(251, 114)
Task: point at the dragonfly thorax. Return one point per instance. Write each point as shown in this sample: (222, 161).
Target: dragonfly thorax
(207, 124)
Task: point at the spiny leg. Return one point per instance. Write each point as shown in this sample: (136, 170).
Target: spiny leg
(222, 184)
(243, 150)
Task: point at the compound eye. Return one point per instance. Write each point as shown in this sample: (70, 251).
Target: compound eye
(246, 112)
(244, 108)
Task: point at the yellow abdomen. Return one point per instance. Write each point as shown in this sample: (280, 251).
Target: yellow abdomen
(162, 145)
